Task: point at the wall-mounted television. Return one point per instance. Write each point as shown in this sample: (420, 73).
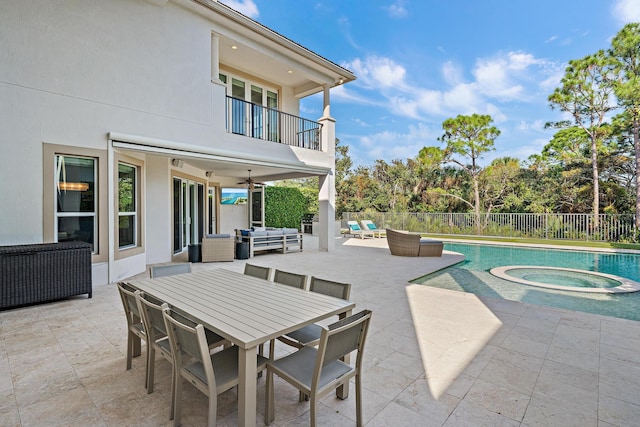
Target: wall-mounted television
(234, 196)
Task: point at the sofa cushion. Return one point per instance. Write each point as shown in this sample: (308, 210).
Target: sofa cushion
(289, 231)
(257, 233)
(430, 242)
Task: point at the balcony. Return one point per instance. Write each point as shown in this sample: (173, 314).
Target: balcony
(256, 121)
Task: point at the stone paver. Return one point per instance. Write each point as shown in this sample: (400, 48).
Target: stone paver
(434, 357)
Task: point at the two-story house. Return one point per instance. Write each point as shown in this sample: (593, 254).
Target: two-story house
(123, 120)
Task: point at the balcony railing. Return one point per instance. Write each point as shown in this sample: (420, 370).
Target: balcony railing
(608, 228)
(256, 121)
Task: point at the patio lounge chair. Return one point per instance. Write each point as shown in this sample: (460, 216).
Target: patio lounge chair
(402, 243)
(356, 230)
(367, 224)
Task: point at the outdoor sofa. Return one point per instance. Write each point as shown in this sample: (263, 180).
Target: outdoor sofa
(402, 243)
(266, 239)
(44, 272)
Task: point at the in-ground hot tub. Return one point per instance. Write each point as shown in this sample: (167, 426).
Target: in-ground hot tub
(566, 279)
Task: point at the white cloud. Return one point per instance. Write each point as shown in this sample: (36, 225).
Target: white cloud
(377, 72)
(499, 77)
(392, 145)
(520, 61)
(397, 9)
(452, 73)
(246, 7)
(497, 80)
(627, 11)
(534, 125)
(462, 99)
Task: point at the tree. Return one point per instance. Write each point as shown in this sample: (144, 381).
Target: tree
(584, 93)
(469, 137)
(625, 52)
(499, 182)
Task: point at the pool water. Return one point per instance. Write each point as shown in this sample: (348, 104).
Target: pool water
(472, 275)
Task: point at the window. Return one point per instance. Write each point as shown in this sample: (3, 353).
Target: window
(253, 109)
(127, 205)
(76, 199)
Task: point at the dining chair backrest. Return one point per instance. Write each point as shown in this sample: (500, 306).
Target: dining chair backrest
(169, 269)
(343, 337)
(184, 336)
(290, 279)
(153, 321)
(151, 309)
(135, 328)
(331, 288)
(257, 271)
(128, 296)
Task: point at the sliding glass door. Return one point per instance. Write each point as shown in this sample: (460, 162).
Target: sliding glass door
(188, 213)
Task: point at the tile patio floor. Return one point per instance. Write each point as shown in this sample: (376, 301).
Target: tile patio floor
(433, 358)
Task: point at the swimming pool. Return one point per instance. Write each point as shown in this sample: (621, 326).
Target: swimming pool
(473, 276)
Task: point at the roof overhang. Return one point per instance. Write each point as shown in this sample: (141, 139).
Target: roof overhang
(222, 162)
(281, 60)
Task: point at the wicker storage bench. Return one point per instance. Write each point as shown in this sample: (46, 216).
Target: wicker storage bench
(44, 272)
(218, 247)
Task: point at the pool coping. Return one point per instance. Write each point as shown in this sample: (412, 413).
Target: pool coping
(537, 245)
(626, 285)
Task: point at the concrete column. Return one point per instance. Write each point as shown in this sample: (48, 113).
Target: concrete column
(326, 110)
(215, 58)
(218, 89)
(327, 187)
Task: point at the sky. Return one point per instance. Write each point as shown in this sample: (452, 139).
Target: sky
(420, 62)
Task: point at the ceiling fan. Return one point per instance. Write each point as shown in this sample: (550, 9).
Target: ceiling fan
(251, 184)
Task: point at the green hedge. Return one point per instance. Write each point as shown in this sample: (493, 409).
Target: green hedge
(284, 206)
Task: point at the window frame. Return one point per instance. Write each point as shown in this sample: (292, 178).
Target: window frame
(79, 213)
(131, 214)
(49, 197)
(139, 225)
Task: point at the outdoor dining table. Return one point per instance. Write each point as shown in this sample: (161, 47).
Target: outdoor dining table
(247, 311)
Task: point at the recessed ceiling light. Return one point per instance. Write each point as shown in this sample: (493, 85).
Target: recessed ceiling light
(234, 47)
(290, 71)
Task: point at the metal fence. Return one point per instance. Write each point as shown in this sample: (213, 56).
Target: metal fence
(608, 228)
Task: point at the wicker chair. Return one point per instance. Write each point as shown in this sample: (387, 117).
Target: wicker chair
(402, 243)
(218, 248)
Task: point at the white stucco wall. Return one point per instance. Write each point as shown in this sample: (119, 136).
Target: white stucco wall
(158, 210)
(72, 72)
(233, 217)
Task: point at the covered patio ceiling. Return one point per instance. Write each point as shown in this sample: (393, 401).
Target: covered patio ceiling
(221, 164)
